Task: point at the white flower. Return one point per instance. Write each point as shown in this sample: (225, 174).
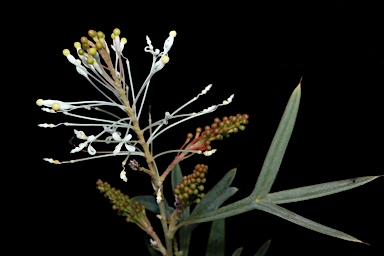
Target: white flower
(160, 64)
(158, 196)
(54, 104)
(80, 134)
(50, 160)
(121, 141)
(89, 140)
(229, 100)
(169, 42)
(123, 176)
(45, 125)
(210, 152)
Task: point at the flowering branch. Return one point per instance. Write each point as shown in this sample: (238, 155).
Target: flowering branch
(108, 75)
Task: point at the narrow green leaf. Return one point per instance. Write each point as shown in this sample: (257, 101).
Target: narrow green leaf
(151, 204)
(176, 176)
(185, 214)
(314, 191)
(148, 201)
(212, 200)
(213, 195)
(216, 240)
(301, 221)
(278, 146)
(233, 209)
(184, 233)
(237, 252)
(263, 249)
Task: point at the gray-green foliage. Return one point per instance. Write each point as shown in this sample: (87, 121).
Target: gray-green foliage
(261, 198)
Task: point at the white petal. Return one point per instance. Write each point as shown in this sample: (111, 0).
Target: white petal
(168, 44)
(109, 130)
(91, 138)
(82, 71)
(91, 150)
(108, 139)
(45, 125)
(80, 147)
(129, 147)
(50, 160)
(206, 89)
(49, 110)
(118, 148)
(149, 42)
(123, 176)
(158, 66)
(73, 60)
(158, 196)
(127, 138)
(116, 136)
(209, 153)
(80, 134)
(65, 106)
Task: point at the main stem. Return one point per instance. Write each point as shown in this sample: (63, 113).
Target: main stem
(147, 153)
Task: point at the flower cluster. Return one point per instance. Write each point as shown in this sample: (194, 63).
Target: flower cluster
(108, 71)
(133, 211)
(190, 190)
(217, 131)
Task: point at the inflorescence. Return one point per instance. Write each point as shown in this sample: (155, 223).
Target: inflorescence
(110, 74)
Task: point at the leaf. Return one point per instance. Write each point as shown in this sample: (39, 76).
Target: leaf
(216, 240)
(151, 204)
(214, 198)
(315, 191)
(263, 249)
(185, 234)
(278, 146)
(237, 252)
(176, 176)
(233, 209)
(299, 220)
(185, 239)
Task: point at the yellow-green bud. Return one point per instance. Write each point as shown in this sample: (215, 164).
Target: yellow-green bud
(99, 45)
(92, 33)
(80, 52)
(55, 106)
(90, 61)
(77, 45)
(116, 32)
(84, 40)
(100, 34)
(92, 51)
(66, 52)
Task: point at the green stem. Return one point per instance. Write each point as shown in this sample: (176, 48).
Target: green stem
(164, 224)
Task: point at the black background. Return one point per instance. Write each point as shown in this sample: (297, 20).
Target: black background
(257, 52)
